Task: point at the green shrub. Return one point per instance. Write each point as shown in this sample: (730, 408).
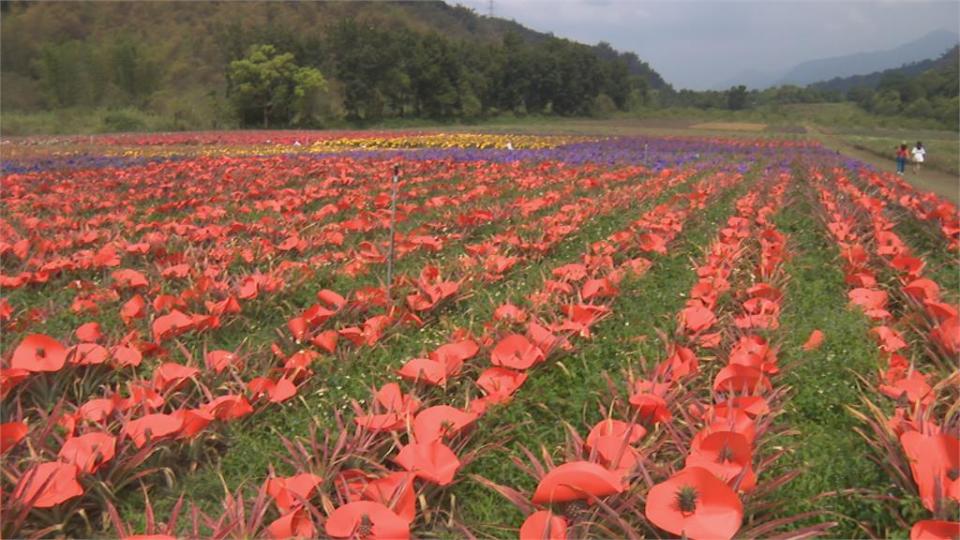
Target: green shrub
(123, 120)
(602, 106)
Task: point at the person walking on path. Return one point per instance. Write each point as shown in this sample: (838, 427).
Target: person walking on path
(919, 153)
(901, 159)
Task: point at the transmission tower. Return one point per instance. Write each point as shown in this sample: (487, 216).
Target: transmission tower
(490, 8)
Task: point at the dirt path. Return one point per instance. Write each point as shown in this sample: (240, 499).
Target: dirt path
(941, 183)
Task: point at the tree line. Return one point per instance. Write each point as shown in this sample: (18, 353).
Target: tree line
(372, 73)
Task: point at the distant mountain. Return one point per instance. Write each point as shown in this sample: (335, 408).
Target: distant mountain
(931, 45)
(927, 47)
(871, 80)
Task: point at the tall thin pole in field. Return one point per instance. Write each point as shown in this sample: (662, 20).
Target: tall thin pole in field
(393, 228)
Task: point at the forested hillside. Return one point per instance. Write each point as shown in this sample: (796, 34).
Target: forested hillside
(208, 64)
(941, 66)
(910, 90)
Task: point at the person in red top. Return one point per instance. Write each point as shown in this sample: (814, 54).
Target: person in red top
(901, 159)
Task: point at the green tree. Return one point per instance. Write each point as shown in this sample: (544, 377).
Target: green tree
(308, 90)
(134, 71)
(920, 108)
(861, 95)
(370, 63)
(737, 98)
(67, 74)
(269, 84)
(886, 103)
(617, 83)
(436, 75)
(947, 110)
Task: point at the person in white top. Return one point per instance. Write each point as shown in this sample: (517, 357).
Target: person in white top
(918, 153)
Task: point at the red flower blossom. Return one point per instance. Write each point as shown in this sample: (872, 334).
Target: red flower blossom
(739, 379)
(229, 407)
(152, 426)
(193, 422)
(171, 325)
(366, 520)
(220, 360)
(38, 352)
(89, 332)
(696, 504)
(947, 335)
(935, 464)
(576, 480)
(753, 406)
(890, 340)
(726, 454)
(913, 387)
(570, 272)
(619, 429)
(931, 529)
(615, 454)
(435, 423)
(170, 375)
(287, 492)
(326, 340)
(295, 524)
(814, 341)
(394, 490)
(872, 301)
(517, 352)
(543, 525)
(697, 318)
(97, 410)
(397, 407)
(431, 461)
(89, 451)
(428, 371)
(11, 433)
(731, 418)
(10, 378)
(649, 401)
(129, 279)
(940, 311)
(501, 382)
(298, 328)
(509, 312)
(87, 354)
(598, 288)
(681, 363)
(444, 362)
(46, 485)
(923, 290)
(125, 356)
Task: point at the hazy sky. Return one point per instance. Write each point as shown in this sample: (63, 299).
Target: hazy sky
(697, 44)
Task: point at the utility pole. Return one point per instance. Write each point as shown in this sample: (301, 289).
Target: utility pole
(393, 229)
